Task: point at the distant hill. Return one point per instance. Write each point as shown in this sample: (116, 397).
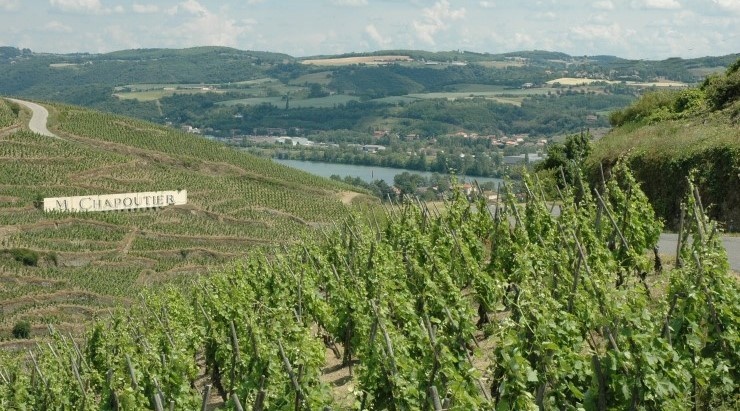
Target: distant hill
(233, 94)
(228, 92)
(666, 136)
(64, 268)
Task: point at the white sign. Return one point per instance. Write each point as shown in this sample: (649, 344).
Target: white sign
(111, 202)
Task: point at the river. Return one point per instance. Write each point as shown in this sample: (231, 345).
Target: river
(367, 173)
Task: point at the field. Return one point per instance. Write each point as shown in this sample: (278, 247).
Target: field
(257, 88)
(502, 64)
(152, 95)
(321, 102)
(65, 269)
(499, 94)
(345, 61)
(323, 78)
(572, 81)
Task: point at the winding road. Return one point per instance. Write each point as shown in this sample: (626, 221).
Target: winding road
(666, 244)
(39, 117)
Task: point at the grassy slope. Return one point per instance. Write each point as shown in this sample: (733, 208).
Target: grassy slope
(662, 155)
(237, 203)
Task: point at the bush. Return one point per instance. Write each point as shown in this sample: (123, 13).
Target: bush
(651, 107)
(25, 256)
(22, 329)
(38, 201)
(723, 90)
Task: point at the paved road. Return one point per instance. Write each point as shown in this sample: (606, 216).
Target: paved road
(39, 118)
(667, 245)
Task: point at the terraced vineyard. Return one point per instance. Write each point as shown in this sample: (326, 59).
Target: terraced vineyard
(66, 268)
(512, 309)
(8, 114)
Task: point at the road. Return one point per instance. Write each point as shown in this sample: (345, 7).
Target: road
(667, 245)
(39, 117)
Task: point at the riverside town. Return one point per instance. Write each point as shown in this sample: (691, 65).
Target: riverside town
(111, 202)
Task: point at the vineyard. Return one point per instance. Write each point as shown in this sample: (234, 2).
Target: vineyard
(65, 269)
(512, 307)
(8, 114)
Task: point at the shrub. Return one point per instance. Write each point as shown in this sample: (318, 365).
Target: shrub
(723, 90)
(650, 108)
(25, 256)
(22, 329)
(38, 201)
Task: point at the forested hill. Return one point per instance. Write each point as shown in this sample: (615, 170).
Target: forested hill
(210, 87)
(666, 136)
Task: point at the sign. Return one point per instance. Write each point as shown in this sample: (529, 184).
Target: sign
(112, 202)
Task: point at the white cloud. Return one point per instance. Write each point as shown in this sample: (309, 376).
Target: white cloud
(193, 7)
(57, 27)
(603, 5)
(730, 5)
(351, 3)
(375, 35)
(435, 19)
(487, 4)
(657, 4)
(145, 8)
(92, 6)
(600, 32)
(546, 16)
(206, 28)
(9, 5)
(121, 37)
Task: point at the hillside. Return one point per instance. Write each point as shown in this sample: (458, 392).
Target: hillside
(225, 90)
(520, 309)
(667, 136)
(64, 268)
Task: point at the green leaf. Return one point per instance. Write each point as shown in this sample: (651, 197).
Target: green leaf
(575, 391)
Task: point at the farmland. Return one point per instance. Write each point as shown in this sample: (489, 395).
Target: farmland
(65, 269)
(348, 61)
(571, 81)
(515, 308)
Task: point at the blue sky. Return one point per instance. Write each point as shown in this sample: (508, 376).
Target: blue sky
(648, 29)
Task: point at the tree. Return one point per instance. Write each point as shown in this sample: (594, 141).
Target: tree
(569, 157)
(408, 182)
(723, 90)
(385, 191)
(315, 90)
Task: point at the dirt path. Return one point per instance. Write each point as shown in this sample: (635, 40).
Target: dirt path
(39, 117)
(127, 241)
(348, 196)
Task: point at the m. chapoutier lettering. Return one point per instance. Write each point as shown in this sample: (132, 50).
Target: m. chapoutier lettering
(111, 202)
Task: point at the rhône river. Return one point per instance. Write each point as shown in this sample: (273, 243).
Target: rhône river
(367, 173)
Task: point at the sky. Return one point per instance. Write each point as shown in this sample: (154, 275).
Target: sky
(637, 29)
